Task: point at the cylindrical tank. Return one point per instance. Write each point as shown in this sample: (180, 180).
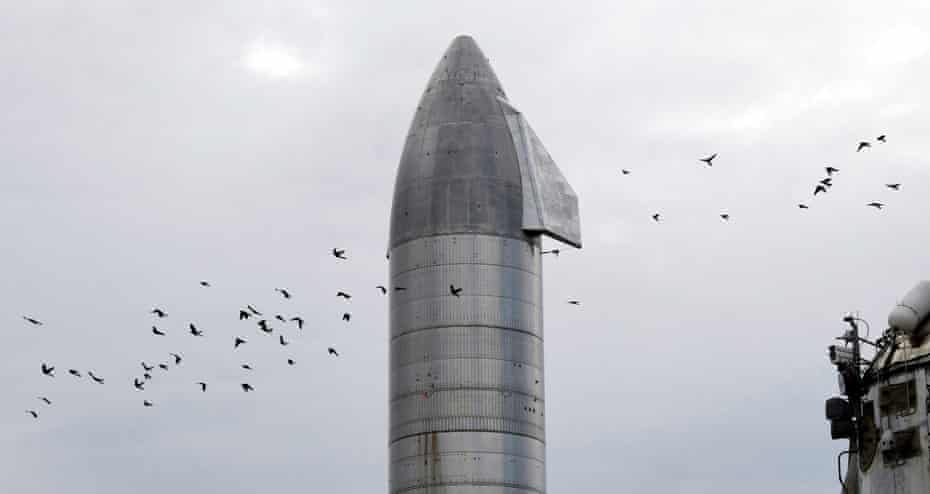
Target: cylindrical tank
(466, 368)
(912, 310)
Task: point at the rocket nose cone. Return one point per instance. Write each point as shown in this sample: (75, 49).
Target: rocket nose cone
(465, 63)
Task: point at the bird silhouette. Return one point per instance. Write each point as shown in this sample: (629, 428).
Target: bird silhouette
(299, 320)
(346, 316)
(247, 387)
(343, 295)
(204, 283)
(876, 205)
(280, 318)
(147, 368)
(48, 370)
(46, 400)
(253, 310)
(194, 330)
(882, 138)
(32, 321)
(247, 366)
(244, 315)
(147, 403)
(34, 414)
(281, 339)
(709, 160)
(827, 181)
(263, 325)
(177, 358)
(163, 366)
(139, 385)
(146, 376)
(893, 186)
(156, 331)
(574, 302)
(291, 361)
(830, 170)
(625, 171)
(656, 217)
(203, 386)
(383, 290)
(399, 288)
(332, 351)
(820, 188)
(339, 253)
(74, 372)
(455, 291)
(553, 251)
(725, 217)
(96, 379)
(283, 292)
(158, 312)
(803, 206)
(239, 341)
(862, 145)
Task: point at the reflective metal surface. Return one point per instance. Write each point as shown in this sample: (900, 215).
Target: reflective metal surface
(475, 189)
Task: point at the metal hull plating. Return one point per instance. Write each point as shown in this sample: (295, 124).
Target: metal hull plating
(475, 190)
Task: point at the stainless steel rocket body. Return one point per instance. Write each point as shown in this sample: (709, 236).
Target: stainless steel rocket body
(474, 191)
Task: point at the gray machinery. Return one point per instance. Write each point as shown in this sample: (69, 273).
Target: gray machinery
(884, 409)
(475, 190)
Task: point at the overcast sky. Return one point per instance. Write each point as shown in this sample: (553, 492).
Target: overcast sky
(145, 148)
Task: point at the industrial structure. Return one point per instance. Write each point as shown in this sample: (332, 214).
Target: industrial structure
(884, 409)
(475, 191)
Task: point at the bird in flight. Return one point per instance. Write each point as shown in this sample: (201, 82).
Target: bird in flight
(244, 315)
(708, 160)
(74, 372)
(263, 325)
(656, 217)
(893, 186)
(139, 385)
(553, 251)
(299, 320)
(194, 330)
(820, 188)
(204, 283)
(246, 366)
(177, 358)
(625, 171)
(383, 290)
(283, 292)
(146, 376)
(882, 138)
(46, 400)
(876, 205)
(725, 217)
(455, 291)
(862, 145)
(252, 310)
(803, 206)
(203, 386)
(339, 253)
(830, 170)
(247, 387)
(239, 341)
(98, 380)
(32, 321)
(332, 351)
(147, 368)
(282, 340)
(156, 331)
(399, 288)
(280, 318)
(158, 312)
(343, 295)
(346, 316)
(291, 361)
(147, 403)
(575, 302)
(827, 181)
(163, 366)
(34, 414)
(48, 370)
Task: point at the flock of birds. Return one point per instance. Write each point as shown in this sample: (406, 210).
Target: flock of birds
(246, 313)
(821, 187)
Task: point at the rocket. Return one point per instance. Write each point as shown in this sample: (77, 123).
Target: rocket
(475, 191)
